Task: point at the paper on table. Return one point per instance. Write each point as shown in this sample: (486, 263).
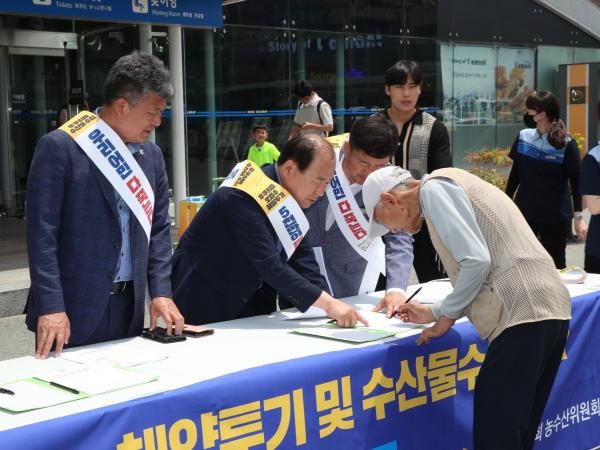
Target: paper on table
(97, 378)
(314, 312)
(354, 335)
(118, 353)
(379, 321)
(433, 292)
(31, 394)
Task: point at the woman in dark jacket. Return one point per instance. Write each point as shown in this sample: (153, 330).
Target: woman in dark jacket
(545, 162)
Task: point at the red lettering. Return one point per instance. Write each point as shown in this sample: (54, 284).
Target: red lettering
(360, 233)
(350, 218)
(133, 184)
(149, 212)
(344, 206)
(141, 196)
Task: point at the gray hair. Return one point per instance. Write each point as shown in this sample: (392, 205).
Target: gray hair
(134, 76)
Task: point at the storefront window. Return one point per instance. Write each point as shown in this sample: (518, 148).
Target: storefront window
(377, 16)
(422, 18)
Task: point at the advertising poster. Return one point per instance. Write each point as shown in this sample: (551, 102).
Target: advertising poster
(468, 84)
(486, 85)
(515, 80)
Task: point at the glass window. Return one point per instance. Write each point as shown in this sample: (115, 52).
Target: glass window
(515, 81)
(422, 18)
(257, 13)
(426, 52)
(586, 55)
(377, 16)
(315, 15)
(469, 97)
(100, 50)
(365, 70)
(548, 59)
(251, 75)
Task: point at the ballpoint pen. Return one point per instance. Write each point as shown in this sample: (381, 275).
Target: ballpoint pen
(6, 391)
(407, 300)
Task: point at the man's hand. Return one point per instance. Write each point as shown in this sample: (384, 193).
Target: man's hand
(415, 312)
(310, 126)
(439, 328)
(165, 307)
(391, 302)
(581, 228)
(345, 315)
(51, 327)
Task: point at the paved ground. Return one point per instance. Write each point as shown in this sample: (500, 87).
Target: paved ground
(16, 340)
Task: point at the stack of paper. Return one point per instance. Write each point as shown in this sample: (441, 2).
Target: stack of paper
(354, 335)
(96, 378)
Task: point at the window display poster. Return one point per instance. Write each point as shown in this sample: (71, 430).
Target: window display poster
(484, 85)
(515, 80)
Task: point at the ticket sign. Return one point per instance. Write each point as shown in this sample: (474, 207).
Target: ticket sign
(189, 13)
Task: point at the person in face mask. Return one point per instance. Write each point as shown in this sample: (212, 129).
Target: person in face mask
(528, 120)
(545, 162)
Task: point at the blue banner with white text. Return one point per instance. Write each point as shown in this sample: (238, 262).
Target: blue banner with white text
(189, 13)
(390, 396)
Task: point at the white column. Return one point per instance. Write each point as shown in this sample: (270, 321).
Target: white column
(145, 35)
(177, 118)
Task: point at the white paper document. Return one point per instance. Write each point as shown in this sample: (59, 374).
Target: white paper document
(433, 292)
(96, 378)
(379, 321)
(119, 353)
(354, 335)
(314, 312)
(30, 394)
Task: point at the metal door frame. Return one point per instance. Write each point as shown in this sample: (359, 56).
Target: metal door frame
(21, 42)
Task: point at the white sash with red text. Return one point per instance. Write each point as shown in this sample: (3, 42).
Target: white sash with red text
(112, 157)
(353, 225)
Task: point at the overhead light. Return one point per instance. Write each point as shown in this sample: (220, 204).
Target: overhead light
(231, 2)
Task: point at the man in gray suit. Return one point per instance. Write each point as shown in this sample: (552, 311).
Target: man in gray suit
(350, 261)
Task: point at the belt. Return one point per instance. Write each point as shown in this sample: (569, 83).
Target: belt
(119, 287)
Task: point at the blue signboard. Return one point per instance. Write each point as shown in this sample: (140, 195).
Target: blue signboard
(189, 13)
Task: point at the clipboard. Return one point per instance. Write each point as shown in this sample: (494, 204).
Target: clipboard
(27, 394)
(66, 385)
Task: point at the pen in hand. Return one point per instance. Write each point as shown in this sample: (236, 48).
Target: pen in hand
(407, 300)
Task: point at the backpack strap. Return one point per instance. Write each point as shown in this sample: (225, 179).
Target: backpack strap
(319, 110)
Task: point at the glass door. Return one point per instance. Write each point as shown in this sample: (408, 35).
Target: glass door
(36, 94)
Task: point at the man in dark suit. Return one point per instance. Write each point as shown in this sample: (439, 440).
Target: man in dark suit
(230, 262)
(90, 257)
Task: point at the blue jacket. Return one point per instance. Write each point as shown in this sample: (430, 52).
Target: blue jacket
(74, 238)
(226, 254)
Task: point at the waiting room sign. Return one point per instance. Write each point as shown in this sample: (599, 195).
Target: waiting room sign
(189, 13)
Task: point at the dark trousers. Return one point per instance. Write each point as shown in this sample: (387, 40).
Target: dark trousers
(553, 237)
(115, 321)
(514, 384)
(591, 264)
(426, 263)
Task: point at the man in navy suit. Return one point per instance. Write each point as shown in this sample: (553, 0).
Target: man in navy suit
(230, 262)
(90, 258)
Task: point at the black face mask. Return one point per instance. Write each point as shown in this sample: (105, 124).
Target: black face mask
(528, 120)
